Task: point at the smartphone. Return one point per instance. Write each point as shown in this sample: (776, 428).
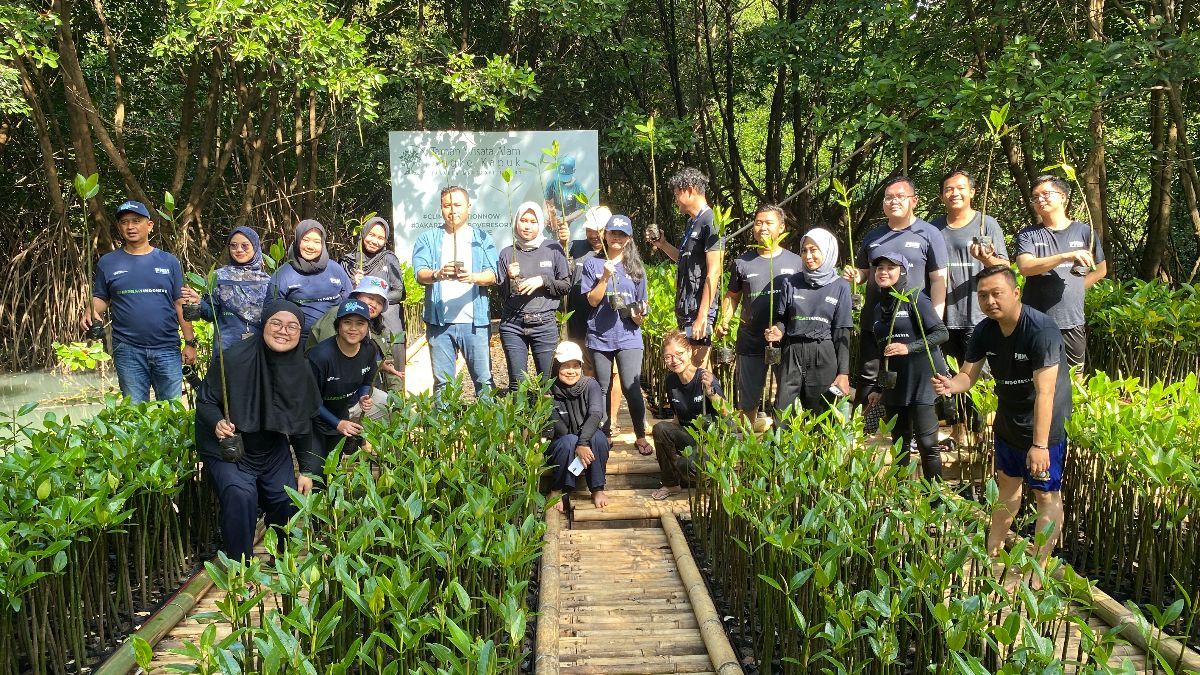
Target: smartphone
(575, 467)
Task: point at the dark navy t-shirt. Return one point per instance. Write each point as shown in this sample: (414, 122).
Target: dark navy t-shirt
(1035, 343)
(751, 276)
(547, 261)
(315, 293)
(699, 238)
(141, 291)
(920, 243)
(606, 330)
(578, 305)
(340, 377)
(813, 313)
(687, 400)
(913, 374)
(1057, 293)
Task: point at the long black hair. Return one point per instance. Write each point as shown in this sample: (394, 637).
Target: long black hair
(632, 259)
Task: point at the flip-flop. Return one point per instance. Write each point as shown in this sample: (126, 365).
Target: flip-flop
(644, 448)
(661, 494)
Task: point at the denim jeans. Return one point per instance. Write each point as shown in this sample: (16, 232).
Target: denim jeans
(139, 368)
(446, 342)
(519, 340)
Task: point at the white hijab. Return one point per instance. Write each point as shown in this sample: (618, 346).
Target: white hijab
(540, 237)
(827, 272)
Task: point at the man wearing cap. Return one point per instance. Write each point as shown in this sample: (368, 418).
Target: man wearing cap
(698, 260)
(344, 366)
(373, 292)
(142, 286)
(563, 192)
(454, 263)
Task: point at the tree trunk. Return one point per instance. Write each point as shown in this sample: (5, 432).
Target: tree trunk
(1163, 136)
(1095, 177)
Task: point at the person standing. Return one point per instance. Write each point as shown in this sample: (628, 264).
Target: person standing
(909, 333)
(373, 292)
(1061, 258)
(698, 261)
(813, 317)
(271, 397)
(533, 277)
(143, 287)
(754, 284)
(694, 394)
(236, 303)
(344, 367)
(961, 228)
(374, 258)
(310, 279)
(616, 288)
(455, 263)
(576, 433)
(921, 245)
(1025, 350)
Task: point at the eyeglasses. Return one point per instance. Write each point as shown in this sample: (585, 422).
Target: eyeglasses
(896, 199)
(673, 357)
(241, 247)
(284, 327)
(1045, 196)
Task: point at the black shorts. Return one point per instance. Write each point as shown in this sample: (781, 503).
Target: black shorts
(956, 346)
(1075, 345)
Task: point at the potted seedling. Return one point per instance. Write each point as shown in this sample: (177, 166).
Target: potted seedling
(1069, 169)
(88, 188)
(646, 132)
(772, 353)
(997, 128)
(845, 199)
(233, 449)
(723, 346)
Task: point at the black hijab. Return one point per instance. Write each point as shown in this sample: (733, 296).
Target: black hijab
(372, 262)
(268, 390)
(298, 262)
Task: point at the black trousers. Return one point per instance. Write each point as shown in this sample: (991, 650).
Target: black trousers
(806, 372)
(670, 441)
(920, 422)
(519, 340)
(561, 453)
(257, 481)
(629, 368)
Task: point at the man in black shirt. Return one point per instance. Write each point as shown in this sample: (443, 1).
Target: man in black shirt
(1024, 349)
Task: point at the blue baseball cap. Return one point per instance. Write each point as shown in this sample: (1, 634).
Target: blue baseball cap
(131, 206)
(620, 223)
(566, 167)
(353, 307)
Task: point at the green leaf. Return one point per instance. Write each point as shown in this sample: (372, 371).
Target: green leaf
(143, 653)
(43, 490)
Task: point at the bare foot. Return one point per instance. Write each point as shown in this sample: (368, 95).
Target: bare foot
(600, 499)
(558, 505)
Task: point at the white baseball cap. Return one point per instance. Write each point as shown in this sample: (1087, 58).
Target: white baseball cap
(568, 351)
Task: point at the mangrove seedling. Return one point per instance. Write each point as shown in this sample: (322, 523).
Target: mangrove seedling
(355, 231)
(845, 200)
(1069, 170)
(997, 128)
(88, 188)
(772, 353)
(232, 448)
(646, 132)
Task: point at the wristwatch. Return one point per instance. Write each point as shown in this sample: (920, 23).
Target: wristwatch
(191, 343)
(1039, 445)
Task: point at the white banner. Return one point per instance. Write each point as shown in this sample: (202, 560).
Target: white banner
(423, 162)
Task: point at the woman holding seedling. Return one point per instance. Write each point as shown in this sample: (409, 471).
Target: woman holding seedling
(236, 303)
(375, 258)
(257, 398)
(615, 286)
(578, 445)
(812, 317)
(344, 366)
(533, 277)
(909, 332)
(694, 394)
(310, 279)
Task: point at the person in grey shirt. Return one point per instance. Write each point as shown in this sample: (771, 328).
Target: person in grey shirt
(1048, 254)
(960, 227)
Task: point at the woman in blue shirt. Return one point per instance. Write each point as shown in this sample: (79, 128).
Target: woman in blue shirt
(310, 279)
(615, 286)
(236, 303)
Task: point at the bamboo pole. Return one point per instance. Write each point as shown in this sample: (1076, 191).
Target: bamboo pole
(711, 628)
(158, 626)
(546, 644)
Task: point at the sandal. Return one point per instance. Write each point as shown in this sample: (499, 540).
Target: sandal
(663, 493)
(643, 447)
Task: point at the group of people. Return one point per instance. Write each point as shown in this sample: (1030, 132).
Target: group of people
(931, 290)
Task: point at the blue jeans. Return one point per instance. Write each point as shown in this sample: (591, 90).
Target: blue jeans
(446, 342)
(139, 368)
(519, 340)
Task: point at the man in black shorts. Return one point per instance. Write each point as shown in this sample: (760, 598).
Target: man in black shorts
(1047, 254)
(698, 259)
(1024, 349)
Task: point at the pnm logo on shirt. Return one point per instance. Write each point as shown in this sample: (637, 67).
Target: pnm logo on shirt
(1017, 356)
(335, 281)
(161, 270)
(1075, 244)
(912, 244)
(119, 273)
(831, 300)
(787, 270)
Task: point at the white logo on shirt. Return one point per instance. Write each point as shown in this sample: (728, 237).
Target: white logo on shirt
(119, 273)
(787, 270)
(546, 263)
(991, 353)
(912, 244)
(831, 300)
(751, 276)
(1017, 356)
(1041, 244)
(162, 270)
(698, 399)
(903, 312)
(335, 281)
(364, 370)
(873, 245)
(1075, 244)
(331, 378)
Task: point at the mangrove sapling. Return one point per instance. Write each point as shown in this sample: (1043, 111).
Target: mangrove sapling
(356, 227)
(86, 189)
(845, 200)
(233, 447)
(772, 353)
(997, 128)
(646, 132)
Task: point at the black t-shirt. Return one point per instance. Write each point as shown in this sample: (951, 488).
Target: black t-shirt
(547, 261)
(751, 276)
(580, 250)
(1035, 343)
(920, 243)
(813, 313)
(913, 386)
(687, 400)
(699, 238)
(339, 377)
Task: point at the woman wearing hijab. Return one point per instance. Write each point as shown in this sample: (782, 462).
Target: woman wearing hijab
(615, 287)
(374, 258)
(265, 392)
(236, 302)
(533, 277)
(578, 415)
(909, 332)
(813, 319)
(310, 279)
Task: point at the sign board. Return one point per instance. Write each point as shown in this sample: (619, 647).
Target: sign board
(423, 162)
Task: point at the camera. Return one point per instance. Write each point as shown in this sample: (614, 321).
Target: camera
(95, 331)
(888, 379)
(232, 448)
(191, 376)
